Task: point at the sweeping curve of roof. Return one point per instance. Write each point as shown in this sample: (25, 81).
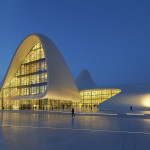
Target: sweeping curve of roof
(60, 83)
(135, 95)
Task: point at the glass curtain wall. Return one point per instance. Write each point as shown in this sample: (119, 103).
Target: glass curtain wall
(31, 77)
(94, 97)
(89, 98)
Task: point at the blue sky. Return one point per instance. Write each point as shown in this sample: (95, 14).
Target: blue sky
(109, 38)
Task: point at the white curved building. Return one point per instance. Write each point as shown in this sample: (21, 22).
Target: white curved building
(135, 95)
(37, 71)
(39, 78)
(119, 97)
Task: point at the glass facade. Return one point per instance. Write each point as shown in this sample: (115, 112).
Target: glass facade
(89, 98)
(36, 104)
(31, 77)
(97, 96)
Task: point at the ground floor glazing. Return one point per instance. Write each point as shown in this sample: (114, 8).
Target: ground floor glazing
(42, 104)
(90, 99)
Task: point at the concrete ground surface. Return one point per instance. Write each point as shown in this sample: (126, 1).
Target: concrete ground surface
(39, 130)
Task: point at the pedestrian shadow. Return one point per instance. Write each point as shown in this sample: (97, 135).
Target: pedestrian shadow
(72, 123)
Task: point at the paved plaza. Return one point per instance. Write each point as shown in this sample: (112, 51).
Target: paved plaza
(39, 130)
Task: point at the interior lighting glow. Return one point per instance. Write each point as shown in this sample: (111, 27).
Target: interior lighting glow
(146, 101)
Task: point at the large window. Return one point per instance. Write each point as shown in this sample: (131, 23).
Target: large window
(31, 77)
(96, 96)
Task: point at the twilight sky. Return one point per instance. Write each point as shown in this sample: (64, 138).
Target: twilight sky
(109, 38)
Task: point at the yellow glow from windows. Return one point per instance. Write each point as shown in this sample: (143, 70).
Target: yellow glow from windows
(96, 96)
(31, 77)
(146, 101)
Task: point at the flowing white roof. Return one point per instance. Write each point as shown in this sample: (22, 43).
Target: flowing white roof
(61, 85)
(135, 95)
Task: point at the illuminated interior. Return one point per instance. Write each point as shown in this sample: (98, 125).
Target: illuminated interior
(91, 97)
(97, 96)
(31, 77)
(24, 86)
(146, 100)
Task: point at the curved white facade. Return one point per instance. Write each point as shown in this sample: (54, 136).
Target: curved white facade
(60, 83)
(136, 95)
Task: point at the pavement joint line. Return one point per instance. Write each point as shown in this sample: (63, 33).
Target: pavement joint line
(79, 113)
(107, 114)
(100, 114)
(96, 114)
(135, 114)
(75, 129)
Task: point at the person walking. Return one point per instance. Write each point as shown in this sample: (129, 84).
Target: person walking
(73, 115)
(131, 108)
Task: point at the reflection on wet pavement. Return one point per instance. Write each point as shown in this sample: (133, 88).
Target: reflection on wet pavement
(29, 130)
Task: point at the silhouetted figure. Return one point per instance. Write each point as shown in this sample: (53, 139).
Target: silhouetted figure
(91, 108)
(131, 108)
(73, 115)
